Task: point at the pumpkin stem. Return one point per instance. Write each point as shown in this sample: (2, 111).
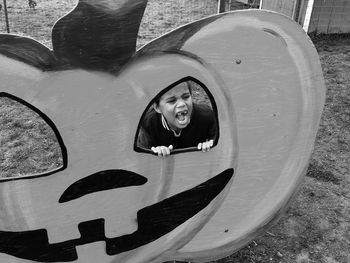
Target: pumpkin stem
(98, 35)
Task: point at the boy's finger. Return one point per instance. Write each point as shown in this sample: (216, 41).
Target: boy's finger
(158, 150)
(163, 151)
(170, 147)
(199, 147)
(166, 151)
(209, 144)
(205, 147)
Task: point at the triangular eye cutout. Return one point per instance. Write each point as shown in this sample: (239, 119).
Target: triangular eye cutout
(182, 117)
(31, 145)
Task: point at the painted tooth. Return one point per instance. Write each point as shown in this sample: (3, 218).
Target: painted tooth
(63, 232)
(128, 224)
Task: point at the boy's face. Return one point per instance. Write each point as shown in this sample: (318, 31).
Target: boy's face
(176, 106)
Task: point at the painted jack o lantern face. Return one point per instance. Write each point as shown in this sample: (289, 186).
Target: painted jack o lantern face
(107, 192)
(112, 201)
(109, 201)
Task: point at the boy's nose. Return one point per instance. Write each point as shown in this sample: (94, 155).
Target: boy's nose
(180, 103)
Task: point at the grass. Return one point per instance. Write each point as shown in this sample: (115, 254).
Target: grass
(28, 145)
(315, 228)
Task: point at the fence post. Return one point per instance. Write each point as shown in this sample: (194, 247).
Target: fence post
(6, 17)
(261, 4)
(221, 6)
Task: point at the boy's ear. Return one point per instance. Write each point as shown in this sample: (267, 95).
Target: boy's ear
(156, 108)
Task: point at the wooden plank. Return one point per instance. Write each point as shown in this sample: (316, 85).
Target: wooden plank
(302, 11)
(6, 17)
(340, 20)
(330, 16)
(243, 1)
(221, 6)
(285, 7)
(308, 14)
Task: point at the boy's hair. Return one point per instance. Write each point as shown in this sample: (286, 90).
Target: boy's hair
(157, 98)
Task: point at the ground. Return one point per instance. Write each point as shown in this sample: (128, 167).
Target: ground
(315, 228)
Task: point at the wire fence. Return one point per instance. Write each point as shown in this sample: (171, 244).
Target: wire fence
(35, 18)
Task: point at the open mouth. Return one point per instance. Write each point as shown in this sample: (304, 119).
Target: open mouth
(182, 117)
(154, 221)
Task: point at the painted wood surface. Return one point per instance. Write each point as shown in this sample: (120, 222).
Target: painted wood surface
(330, 16)
(281, 6)
(110, 203)
(316, 16)
(278, 92)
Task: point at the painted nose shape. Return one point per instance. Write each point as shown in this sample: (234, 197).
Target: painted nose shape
(101, 181)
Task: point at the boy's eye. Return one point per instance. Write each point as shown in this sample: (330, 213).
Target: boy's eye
(171, 101)
(186, 96)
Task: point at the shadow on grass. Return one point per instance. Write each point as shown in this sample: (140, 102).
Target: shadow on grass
(320, 174)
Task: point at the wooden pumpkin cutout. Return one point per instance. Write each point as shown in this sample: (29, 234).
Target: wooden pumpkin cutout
(112, 203)
(275, 81)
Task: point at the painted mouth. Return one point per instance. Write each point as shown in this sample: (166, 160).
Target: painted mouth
(154, 221)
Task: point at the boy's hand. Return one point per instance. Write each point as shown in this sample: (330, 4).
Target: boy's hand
(162, 150)
(205, 146)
